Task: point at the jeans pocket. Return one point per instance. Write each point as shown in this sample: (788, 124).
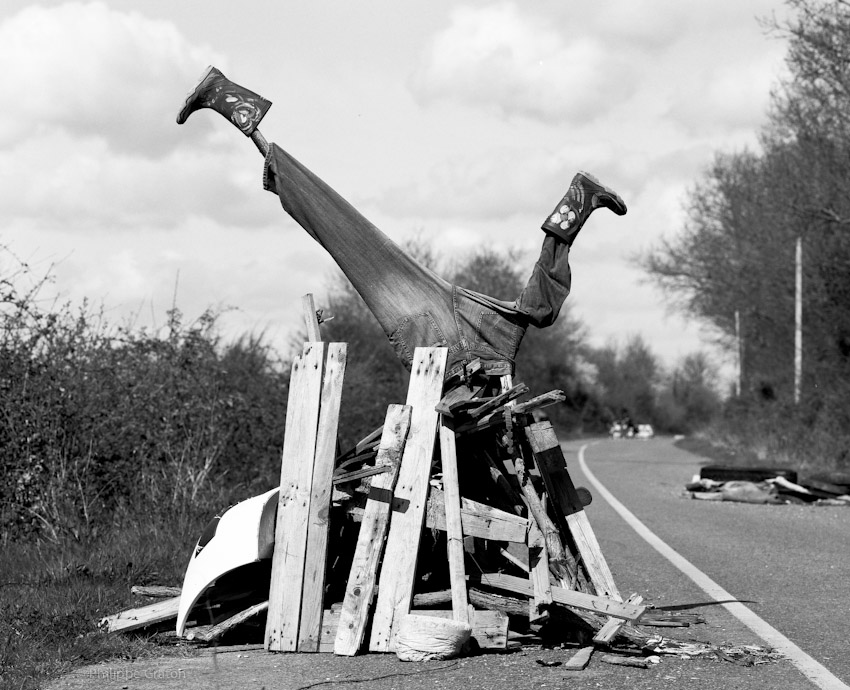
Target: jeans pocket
(418, 330)
(494, 333)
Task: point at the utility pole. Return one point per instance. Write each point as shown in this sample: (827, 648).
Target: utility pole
(798, 321)
(739, 355)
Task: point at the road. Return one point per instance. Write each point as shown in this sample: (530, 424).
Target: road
(788, 563)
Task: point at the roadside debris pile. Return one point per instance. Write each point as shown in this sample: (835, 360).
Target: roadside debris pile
(453, 527)
(766, 485)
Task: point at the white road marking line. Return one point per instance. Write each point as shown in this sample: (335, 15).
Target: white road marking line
(813, 670)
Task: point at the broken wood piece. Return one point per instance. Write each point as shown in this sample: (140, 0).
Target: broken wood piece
(478, 520)
(155, 591)
(609, 631)
(141, 617)
(502, 399)
(579, 660)
(318, 523)
(370, 540)
(496, 417)
(637, 662)
(311, 319)
(516, 554)
(565, 597)
(398, 571)
(454, 528)
(369, 441)
(214, 632)
(458, 398)
(299, 448)
(559, 485)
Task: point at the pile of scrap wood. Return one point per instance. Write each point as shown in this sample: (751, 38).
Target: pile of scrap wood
(767, 485)
(459, 506)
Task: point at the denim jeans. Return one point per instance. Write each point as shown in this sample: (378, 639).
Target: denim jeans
(414, 306)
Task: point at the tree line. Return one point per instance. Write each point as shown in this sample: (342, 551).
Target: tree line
(104, 425)
(732, 266)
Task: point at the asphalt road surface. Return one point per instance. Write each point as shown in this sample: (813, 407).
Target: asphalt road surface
(789, 565)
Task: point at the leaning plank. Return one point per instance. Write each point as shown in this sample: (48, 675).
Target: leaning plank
(316, 554)
(478, 519)
(609, 631)
(566, 597)
(562, 562)
(299, 447)
(559, 485)
(133, 619)
(213, 632)
(373, 529)
(454, 529)
(538, 576)
(399, 567)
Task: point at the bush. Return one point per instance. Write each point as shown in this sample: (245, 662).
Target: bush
(102, 424)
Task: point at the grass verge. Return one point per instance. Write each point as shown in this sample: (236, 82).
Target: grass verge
(52, 596)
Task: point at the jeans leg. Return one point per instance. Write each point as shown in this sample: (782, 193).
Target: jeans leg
(548, 285)
(394, 286)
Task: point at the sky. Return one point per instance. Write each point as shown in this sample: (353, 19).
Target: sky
(459, 122)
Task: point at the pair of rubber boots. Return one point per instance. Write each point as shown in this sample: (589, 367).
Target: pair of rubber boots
(245, 109)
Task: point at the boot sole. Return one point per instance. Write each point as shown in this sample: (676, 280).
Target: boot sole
(603, 189)
(183, 115)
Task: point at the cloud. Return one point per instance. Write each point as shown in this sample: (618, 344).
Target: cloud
(520, 64)
(76, 184)
(91, 71)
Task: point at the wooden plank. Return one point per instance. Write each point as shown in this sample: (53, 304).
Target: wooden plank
(579, 660)
(155, 591)
(316, 554)
(562, 562)
(399, 566)
(370, 540)
(478, 520)
(359, 474)
(609, 631)
(637, 662)
(454, 528)
(538, 576)
(311, 319)
(299, 447)
(133, 619)
(566, 597)
(568, 507)
(213, 632)
(330, 625)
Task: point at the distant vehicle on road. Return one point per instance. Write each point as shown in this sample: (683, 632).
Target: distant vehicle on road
(624, 428)
(645, 431)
